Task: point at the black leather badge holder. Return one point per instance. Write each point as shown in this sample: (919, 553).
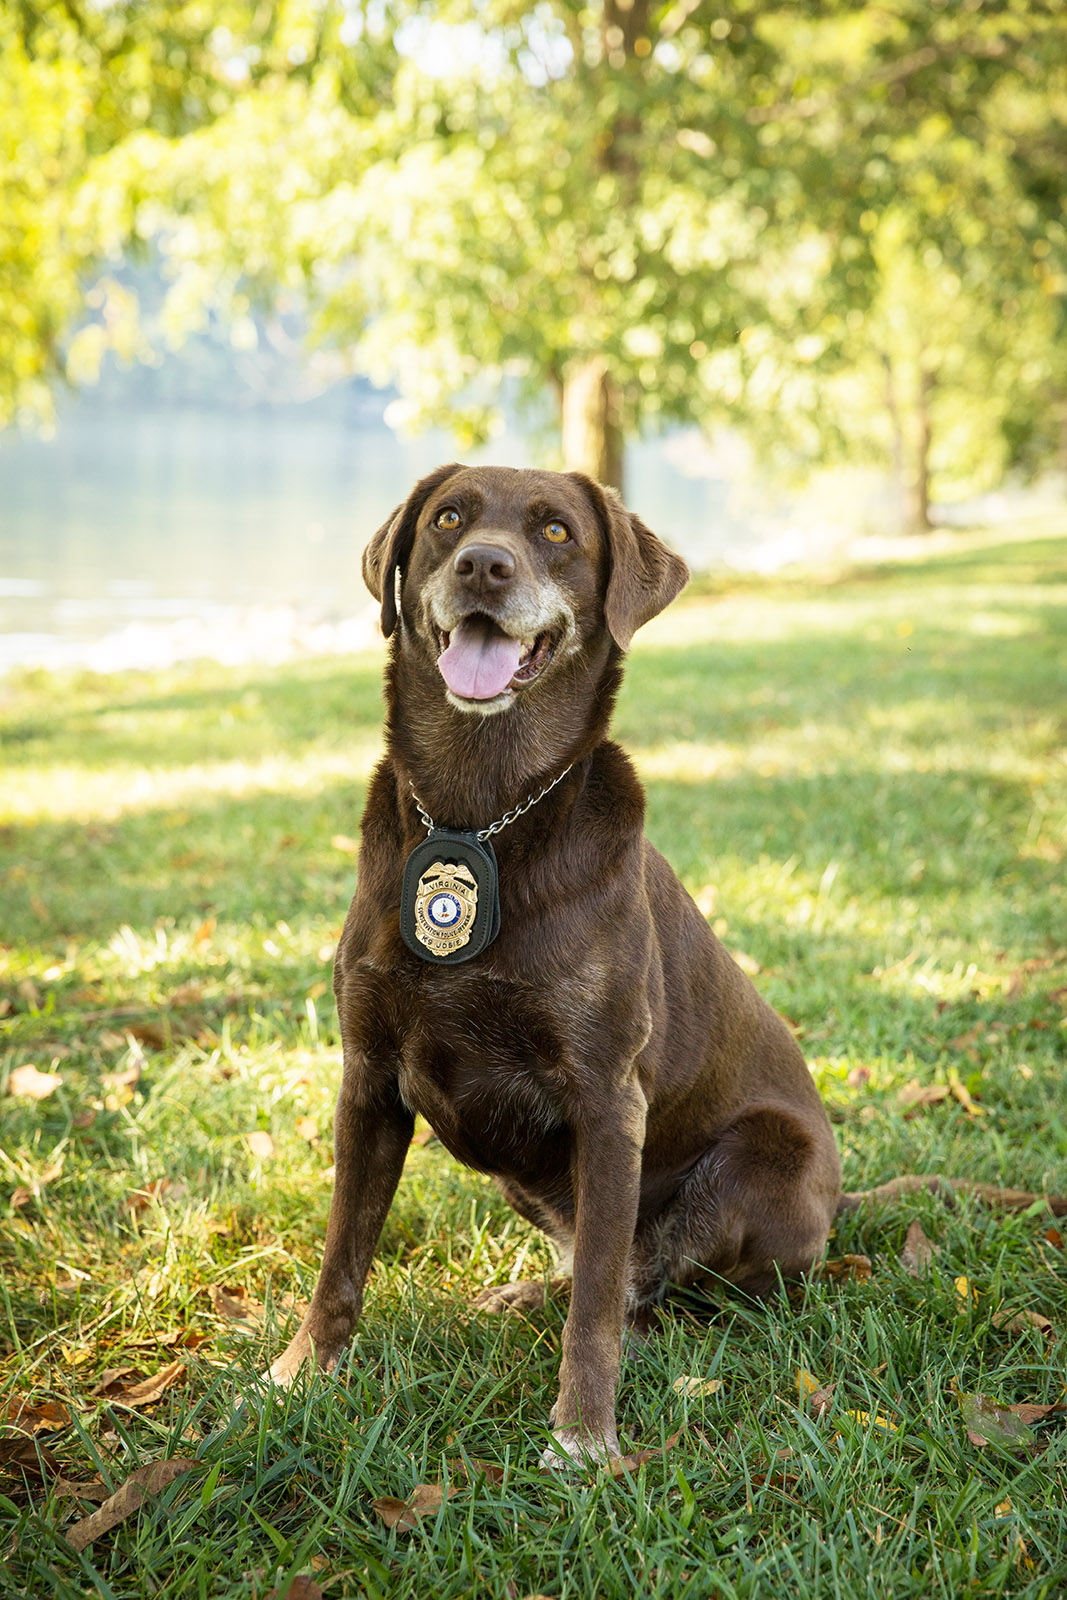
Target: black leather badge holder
(450, 902)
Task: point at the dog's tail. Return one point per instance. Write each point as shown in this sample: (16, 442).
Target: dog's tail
(949, 1188)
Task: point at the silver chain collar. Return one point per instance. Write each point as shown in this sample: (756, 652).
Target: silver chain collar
(509, 816)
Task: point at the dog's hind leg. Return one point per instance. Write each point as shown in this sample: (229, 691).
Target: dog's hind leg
(758, 1205)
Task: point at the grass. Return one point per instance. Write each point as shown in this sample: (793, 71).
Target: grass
(864, 784)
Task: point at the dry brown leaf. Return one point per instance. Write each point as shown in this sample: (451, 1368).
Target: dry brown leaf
(110, 1382)
(26, 1454)
(235, 1304)
(424, 1498)
(147, 1390)
(918, 1252)
(307, 1128)
(845, 1267)
(261, 1144)
(299, 1588)
(35, 1416)
(620, 1464)
(922, 1094)
(1019, 1321)
(238, 1306)
(21, 1197)
(96, 1489)
(1054, 1237)
(30, 1084)
(963, 1041)
(145, 1481)
(816, 1397)
(1004, 1507)
(474, 1468)
(84, 1118)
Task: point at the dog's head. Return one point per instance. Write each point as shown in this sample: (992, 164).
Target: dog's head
(503, 574)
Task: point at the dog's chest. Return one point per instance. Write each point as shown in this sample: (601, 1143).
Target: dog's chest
(483, 1067)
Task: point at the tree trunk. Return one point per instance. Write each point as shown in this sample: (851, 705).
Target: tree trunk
(592, 421)
(896, 428)
(917, 510)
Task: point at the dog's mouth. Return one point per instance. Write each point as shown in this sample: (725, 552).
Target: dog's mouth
(479, 661)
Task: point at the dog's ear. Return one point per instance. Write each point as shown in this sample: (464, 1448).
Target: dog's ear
(390, 547)
(643, 575)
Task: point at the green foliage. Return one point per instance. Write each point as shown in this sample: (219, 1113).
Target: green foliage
(842, 229)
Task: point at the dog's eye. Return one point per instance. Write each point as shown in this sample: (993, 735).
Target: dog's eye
(449, 519)
(556, 532)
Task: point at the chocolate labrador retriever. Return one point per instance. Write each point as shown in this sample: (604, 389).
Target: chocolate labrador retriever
(531, 976)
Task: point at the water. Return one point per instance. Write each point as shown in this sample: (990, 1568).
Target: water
(135, 525)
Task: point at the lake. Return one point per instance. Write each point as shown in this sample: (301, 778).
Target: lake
(140, 534)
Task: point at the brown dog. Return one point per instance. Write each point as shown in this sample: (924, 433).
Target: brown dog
(603, 1057)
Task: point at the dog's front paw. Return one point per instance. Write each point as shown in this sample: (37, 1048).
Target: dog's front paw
(574, 1450)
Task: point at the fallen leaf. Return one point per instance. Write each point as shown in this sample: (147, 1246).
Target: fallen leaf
(235, 1304)
(26, 1454)
(347, 846)
(816, 1397)
(696, 1388)
(29, 1084)
(963, 1040)
(1004, 1508)
(96, 1489)
(846, 1267)
(110, 1382)
(963, 1095)
(1019, 1321)
(261, 1144)
(158, 1189)
(35, 1416)
(966, 1295)
(489, 1470)
(423, 1137)
(1054, 1237)
(145, 1481)
(878, 1420)
(424, 1498)
(620, 1464)
(922, 1094)
(805, 1383)
(918, 1252)
(299, 1588)
(204, 933)
(83, 1119)
(148, 1390)
(307, 1128)
(988, 1422)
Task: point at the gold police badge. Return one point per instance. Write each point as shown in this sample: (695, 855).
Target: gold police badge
(446, 901)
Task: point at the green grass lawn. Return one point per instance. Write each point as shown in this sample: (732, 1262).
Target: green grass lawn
(864, 784)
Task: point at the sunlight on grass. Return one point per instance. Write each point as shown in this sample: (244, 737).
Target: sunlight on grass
(867, 795)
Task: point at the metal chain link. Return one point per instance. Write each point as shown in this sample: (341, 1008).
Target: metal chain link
(508, 817)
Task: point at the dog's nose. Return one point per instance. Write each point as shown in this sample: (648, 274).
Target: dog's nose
(484, 566)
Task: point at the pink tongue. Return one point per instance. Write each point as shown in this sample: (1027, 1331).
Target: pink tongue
(480, 660)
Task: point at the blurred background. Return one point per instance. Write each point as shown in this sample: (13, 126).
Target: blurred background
(788, 275)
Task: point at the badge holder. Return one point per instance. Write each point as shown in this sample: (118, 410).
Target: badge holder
(450, 901)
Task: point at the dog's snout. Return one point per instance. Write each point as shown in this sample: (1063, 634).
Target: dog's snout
(485, 566)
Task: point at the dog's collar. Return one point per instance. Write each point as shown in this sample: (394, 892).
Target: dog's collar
(494, 827)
